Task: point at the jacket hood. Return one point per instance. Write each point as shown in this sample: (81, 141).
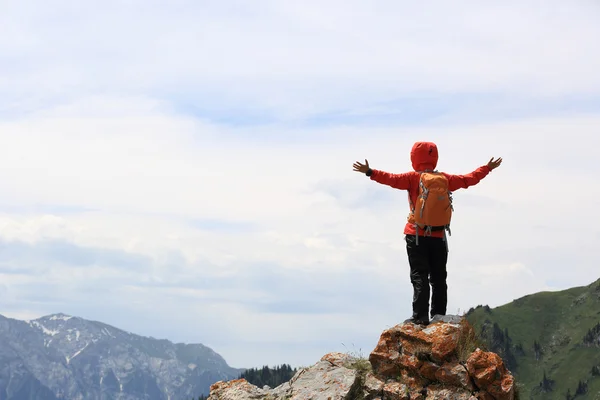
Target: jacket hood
(424, 155)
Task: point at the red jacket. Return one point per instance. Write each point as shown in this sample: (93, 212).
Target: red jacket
(424, 156)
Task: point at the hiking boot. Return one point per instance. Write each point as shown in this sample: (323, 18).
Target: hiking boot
(416, 321)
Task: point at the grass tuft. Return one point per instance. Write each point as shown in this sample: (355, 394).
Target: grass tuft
(359, 362)
(468, 341)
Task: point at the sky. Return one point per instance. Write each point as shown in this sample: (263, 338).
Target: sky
(183, 169)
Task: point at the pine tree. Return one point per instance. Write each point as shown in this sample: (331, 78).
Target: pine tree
(537, 349)
(582, 388)
(520, 350)
(592, 337)
(546, 385)
(497, 337)
(271, 377)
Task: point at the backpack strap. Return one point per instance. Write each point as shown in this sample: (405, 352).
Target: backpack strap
(446, 241)
(412, 209)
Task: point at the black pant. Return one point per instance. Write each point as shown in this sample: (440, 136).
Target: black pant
(428, 265)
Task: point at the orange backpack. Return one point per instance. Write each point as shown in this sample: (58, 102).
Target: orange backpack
(433, 210)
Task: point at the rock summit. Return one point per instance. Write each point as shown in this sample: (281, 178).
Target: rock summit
(410, 362)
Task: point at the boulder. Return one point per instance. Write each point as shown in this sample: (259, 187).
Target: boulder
(407, 346)
(455, 374)
(238, 389)
(489, 374)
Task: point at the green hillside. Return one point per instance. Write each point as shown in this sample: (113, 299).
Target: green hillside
(549, 340)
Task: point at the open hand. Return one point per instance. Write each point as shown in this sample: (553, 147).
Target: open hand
(493, 164)
(363, 168)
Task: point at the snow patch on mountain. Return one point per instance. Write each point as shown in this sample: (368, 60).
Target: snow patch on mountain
(49, 332)
(76, 354)
(60, 317)
(108, 333)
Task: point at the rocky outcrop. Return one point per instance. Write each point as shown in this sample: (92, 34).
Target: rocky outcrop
(336, 376)
(410, 362)
(440, 360)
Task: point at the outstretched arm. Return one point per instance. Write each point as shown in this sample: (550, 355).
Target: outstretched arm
(456, 182)
(397, 181)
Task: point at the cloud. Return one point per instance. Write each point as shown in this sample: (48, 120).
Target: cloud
(184, 171)
(62, 252)
(276, 61)
(220, 225)
(297, 253)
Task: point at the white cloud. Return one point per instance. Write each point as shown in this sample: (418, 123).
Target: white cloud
(120, 204)
(298, 59)
(319, 229)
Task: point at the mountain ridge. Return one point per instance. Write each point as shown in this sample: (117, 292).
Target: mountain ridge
(64, 356)
(549, 340)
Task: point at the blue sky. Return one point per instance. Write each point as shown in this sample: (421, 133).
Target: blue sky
(182, 169)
